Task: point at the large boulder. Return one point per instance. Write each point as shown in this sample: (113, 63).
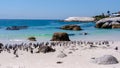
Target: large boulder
(71, 27)
(16, 27)
(108, 23)
(46, 49)
(105, 60)
(60, 36)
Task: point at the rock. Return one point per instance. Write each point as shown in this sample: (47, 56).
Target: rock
(32, 39)
(61, 55)
(105, 60)
(59, 62)
(70, 52)
(71, 27)
(12, 28)
(46, 49)
(108, 23)
(60, 36)
(116, 26)
(77, 28)
(16, 27)
(79, 19)
(99, 25)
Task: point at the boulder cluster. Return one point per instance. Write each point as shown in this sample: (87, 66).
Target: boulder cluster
(108, 23)
(16, 27)
(71, 27)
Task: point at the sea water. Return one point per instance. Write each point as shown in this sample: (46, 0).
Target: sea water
(44, 29)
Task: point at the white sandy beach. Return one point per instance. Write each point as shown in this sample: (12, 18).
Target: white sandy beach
(78, 56)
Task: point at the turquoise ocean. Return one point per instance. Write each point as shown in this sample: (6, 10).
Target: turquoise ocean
(44, 29)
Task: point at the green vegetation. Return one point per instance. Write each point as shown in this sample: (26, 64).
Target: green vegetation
(98, 17)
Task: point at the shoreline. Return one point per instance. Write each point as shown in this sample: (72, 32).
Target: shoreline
(46, 40)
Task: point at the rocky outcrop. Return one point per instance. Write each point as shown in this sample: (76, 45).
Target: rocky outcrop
(79, 19)
(108, 23)
(105, 60)
(16, 27)
(71, 27)
(60, 36)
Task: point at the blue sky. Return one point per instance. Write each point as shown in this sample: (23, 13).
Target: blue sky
(55, 9)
